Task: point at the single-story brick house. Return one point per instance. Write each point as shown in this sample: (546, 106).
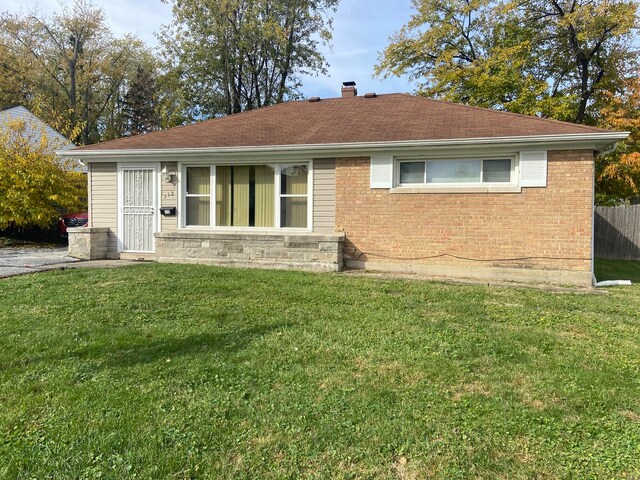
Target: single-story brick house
(384, 182)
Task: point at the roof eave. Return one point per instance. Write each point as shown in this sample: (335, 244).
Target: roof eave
(595, 141)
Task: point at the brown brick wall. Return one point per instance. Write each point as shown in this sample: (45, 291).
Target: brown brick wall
(552, 224)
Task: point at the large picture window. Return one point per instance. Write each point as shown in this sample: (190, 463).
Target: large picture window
(442, 172)
(262, 196)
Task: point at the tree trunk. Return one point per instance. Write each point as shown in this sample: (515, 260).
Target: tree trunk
(583, 66)
(284, 72)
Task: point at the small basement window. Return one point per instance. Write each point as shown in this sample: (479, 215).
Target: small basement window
(455, 172)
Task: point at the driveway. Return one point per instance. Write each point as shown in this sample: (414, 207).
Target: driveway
(16, 261)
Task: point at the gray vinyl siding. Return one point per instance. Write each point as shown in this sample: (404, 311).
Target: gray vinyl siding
(103, 178)
(169, 198)
(324, 195)
(34, 127)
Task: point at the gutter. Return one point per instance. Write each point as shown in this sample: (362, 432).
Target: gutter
(595, 140)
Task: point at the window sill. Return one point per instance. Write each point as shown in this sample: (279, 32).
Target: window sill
(290, 235)
(245, 231)
(457, 189)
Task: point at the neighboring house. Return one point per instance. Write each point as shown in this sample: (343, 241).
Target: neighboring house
(36, 128)
(382, 182)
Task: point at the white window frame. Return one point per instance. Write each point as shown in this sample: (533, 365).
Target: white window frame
(280, 196)
(463, 186)
(277, 166)
(211, 195)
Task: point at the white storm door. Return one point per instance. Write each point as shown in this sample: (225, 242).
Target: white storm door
(138, 209)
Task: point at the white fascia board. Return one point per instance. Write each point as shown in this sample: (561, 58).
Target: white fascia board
(595, 141)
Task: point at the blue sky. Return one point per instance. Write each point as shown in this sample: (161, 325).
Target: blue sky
(361, 30)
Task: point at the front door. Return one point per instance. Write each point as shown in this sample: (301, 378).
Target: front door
(137, 209)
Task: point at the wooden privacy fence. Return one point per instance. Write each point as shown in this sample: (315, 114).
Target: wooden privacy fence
(617, 232)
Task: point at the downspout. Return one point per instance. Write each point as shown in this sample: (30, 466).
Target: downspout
(593, 223)
(89, 201)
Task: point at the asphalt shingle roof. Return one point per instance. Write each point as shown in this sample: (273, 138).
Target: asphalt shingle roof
(385, 118)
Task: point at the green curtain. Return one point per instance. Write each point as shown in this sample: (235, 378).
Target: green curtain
(294, 209)
(240, 187)
(223, 196)
(198, 181)
(198, 211)
(198, 208)
(232, 196)
(240, 196)
(294, 212)
(294, 180)
(264, 196)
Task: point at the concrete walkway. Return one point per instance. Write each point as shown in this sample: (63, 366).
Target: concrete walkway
(19, 261)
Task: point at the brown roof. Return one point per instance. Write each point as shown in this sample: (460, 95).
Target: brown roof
(385, 118)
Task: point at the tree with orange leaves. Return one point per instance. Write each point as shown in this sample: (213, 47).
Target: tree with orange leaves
(618, 173)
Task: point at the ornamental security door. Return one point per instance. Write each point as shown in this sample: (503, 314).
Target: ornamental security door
(137, 209)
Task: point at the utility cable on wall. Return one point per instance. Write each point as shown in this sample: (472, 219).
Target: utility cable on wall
(514, 259)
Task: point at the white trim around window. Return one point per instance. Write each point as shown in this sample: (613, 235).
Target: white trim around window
(277, 197)
(438, 174)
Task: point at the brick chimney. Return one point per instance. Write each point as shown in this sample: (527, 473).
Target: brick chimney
(349, 89)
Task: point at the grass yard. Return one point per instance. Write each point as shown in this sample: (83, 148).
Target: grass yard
(173, 371)
(617, 270)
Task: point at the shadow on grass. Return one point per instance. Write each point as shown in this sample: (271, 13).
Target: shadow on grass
(617, 270)
(130, 352)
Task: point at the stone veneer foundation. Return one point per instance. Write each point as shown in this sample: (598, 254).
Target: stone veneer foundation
(315, 252)
(88, 243)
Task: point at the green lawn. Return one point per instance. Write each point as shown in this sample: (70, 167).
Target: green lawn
(617, 270)
(167, 371)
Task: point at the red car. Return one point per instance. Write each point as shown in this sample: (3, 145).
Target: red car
(79, 219)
